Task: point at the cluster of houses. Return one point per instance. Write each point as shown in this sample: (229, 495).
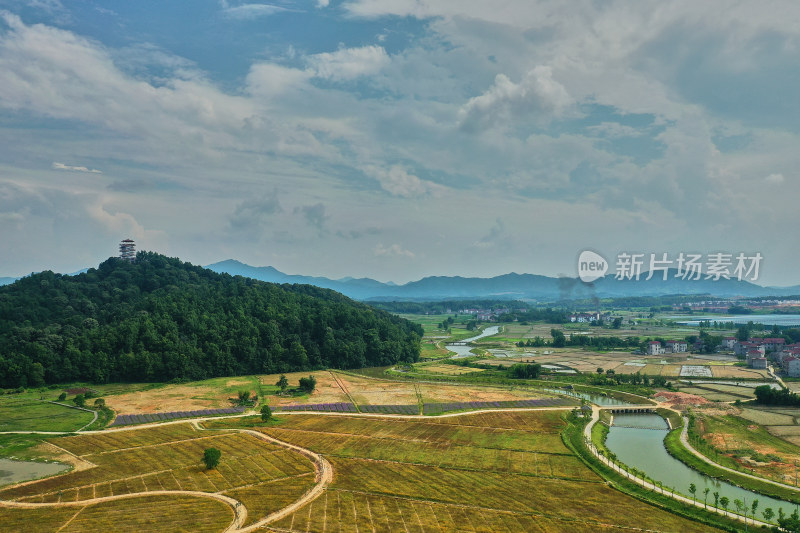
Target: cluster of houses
(656, 348)
(585, 317)
(755, 350)
(483, 314)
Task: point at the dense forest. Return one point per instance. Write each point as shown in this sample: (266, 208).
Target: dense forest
(160, 319)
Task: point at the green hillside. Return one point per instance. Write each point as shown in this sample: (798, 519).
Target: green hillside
(160, 319)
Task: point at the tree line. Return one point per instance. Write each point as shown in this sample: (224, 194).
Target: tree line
(160, 319)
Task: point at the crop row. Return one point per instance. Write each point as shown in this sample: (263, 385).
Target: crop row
(126, 420)
(437, 408)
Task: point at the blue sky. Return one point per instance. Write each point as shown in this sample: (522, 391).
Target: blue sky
(398, 138)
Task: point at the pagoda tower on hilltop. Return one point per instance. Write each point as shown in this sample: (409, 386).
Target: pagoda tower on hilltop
(127, 250)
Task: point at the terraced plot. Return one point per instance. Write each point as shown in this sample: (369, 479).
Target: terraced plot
(499, 472)
(150, 513)
(263, 476)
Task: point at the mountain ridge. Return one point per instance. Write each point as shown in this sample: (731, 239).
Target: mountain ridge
(511, 285)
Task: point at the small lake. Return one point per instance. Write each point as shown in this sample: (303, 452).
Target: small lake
(767, 320)
(637, 443)
(12, 471)
(464, 351)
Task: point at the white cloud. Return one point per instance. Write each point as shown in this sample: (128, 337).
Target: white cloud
(250, 11)
(399, 182)
(395, 250)
(62, 166)
(614, 130)
(348, 63)
(538, 95)
(323, 3)
(775, 179)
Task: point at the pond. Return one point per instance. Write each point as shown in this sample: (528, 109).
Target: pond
(638, 441)
(12, 471)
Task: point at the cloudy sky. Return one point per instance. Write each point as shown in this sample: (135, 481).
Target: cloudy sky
(398, 138)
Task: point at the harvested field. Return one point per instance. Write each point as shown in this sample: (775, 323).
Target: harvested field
(766, 418)
(784, 431)
(451, 370)
(153, 513)
(738, 372)
(169, 458)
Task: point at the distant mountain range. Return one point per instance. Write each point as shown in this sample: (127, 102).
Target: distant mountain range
(511, 286)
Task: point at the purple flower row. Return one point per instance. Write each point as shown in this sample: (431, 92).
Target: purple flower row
(127, 420)
(435, 408)
(390, 409)
(340, 407)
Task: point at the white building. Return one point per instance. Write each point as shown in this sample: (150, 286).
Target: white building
(728, 343)
(677, 346)
(791, 365)
(654, 348)
(759, 362)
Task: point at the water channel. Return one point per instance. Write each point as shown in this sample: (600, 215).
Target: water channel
(638, 441)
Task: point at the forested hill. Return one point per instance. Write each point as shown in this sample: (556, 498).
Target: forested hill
(160, 319)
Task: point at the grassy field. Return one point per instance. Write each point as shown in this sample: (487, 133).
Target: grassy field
(478, 472)
(758, 448)
(26, 412)
(152, 513)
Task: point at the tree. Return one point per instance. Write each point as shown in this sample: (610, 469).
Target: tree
(692, 489)
(768, 514)
(211, 457)
(244, 397)
(308, 384)
(62, 396)
(724, 501)
(739, 505)
(617, 323)
(754, 507)
(266, 413)
(705, 497)
(600, 370)
(79, 400)
(99, 403)
(716, 499)
(283, 383)
(559, 340)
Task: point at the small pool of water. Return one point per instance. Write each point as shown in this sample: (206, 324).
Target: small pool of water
(13, 471)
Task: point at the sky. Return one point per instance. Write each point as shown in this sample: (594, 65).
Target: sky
(397, 139)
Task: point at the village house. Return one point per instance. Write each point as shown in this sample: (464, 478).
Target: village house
(773, 344)
(728, 343)
(759, 362)
(677, 346)
(654, 348)
(791, 365)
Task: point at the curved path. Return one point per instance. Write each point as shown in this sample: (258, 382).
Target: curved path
(587, 434)
(695, 452)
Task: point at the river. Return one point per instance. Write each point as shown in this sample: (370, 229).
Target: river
(767, 320)
(641, 446)
(464, 351)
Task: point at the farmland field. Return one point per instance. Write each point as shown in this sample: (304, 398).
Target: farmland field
(27, 413)
(168, 458)
(506, 471)
(150, 513)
